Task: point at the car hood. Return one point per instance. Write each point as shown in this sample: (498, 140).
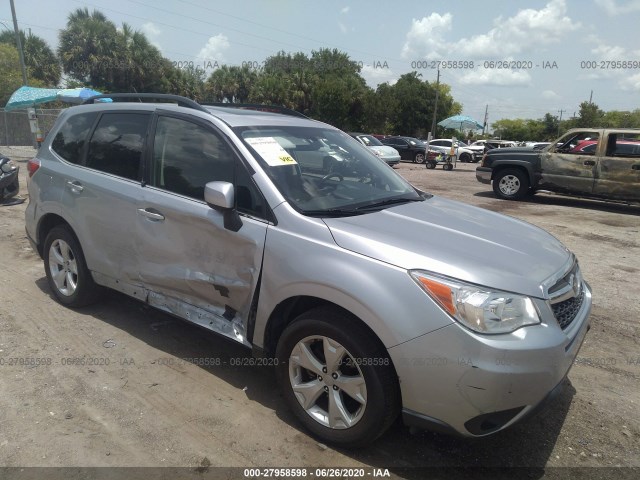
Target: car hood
(457, 240)
(385, 151)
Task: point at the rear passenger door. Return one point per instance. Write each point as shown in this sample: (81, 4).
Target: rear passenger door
(193, 266)
(618, 173)
(101, 195)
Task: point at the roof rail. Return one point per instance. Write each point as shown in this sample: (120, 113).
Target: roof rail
(132, 97)
(260, 108)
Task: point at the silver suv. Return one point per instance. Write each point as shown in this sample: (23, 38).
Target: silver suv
(370, 297)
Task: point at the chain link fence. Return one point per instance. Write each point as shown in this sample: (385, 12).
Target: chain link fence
(15, 129)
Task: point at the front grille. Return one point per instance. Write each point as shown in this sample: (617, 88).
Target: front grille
(566, 311)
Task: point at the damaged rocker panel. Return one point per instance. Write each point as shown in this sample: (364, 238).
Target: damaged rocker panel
(230, 325)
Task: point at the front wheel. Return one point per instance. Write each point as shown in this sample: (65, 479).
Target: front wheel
(465, 157)
(431, 165)
(511, 184)
(419, 158)
(337, 377)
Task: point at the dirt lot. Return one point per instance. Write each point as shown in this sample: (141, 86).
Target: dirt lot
(131, 407)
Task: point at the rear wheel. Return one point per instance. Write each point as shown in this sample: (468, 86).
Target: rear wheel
(511, 184)
(419, 158)
(337, 377)
(67, 273)
(431, 165)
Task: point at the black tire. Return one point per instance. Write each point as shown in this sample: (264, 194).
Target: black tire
(465, 157)
(419, 158)
(364, 357)
(430, 165)
(448, 166)
(511, 184)
(85, 290)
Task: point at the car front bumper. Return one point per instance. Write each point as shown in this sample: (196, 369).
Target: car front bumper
(483, 175)
(457, 381)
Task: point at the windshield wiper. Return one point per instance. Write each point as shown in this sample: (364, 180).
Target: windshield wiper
(332, 212)
(387, 202)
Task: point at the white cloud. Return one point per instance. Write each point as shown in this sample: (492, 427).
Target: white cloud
(528, 29)
(425, 37)
(500, 77)
(550, 95)
(375, 75)
(152, 32)
(612, 8)
(214, 49)
(345, 10)
(631, 83)
(343, 27)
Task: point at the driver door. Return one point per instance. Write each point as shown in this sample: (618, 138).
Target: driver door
(567, 170)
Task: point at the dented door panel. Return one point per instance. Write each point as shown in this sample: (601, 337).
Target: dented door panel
(571, 173)
(190, 257)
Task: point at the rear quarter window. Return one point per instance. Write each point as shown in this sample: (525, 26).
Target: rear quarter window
(72, 136)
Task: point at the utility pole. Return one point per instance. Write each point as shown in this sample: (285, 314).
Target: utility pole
(486, 117)
(590, 97)
(19, 44)
(435, 108)
(560, 121)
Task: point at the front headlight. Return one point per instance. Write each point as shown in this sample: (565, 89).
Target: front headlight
(8, 167)
(481, 309)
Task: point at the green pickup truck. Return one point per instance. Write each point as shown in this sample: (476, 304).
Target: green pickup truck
(602, 163)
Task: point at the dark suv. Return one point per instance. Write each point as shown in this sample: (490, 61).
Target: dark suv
(409, 148)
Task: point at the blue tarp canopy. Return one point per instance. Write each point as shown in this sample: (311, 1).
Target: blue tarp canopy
(26, 97)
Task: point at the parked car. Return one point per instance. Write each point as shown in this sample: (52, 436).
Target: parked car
(383, 152)
(9, 182)
(465, 153)
(409, 148)
(598, 163)
(354, 285)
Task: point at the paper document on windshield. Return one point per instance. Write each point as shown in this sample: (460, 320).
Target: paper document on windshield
(272, 152)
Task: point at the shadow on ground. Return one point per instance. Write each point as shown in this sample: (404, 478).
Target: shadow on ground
(528, 444)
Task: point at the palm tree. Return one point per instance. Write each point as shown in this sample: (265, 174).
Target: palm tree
(42, 64)
(87, 47)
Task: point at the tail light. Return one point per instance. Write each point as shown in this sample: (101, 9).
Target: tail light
(32, 166)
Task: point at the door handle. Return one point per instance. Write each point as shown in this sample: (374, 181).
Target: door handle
(75, 187)
(151, 215)
(589, 163)
(635, 166)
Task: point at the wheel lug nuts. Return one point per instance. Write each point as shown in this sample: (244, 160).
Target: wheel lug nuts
(319, 378)
(324, 369)
(334, 375)
(326, 389)
(335, 387)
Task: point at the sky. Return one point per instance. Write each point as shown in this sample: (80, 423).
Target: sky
(517, 59)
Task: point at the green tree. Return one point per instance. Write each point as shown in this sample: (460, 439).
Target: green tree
(11, 78)
(40, 61)
(87, 48)
(590, 115)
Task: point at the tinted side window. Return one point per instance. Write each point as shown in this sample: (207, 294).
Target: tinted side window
(72, 136)
(186, 156)
(116, 144)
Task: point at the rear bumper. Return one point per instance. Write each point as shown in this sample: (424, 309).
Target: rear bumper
(483, 175)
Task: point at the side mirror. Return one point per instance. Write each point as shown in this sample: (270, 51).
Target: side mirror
(221, 196)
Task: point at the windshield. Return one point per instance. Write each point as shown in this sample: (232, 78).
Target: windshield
(325, 172)
(370, 141)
